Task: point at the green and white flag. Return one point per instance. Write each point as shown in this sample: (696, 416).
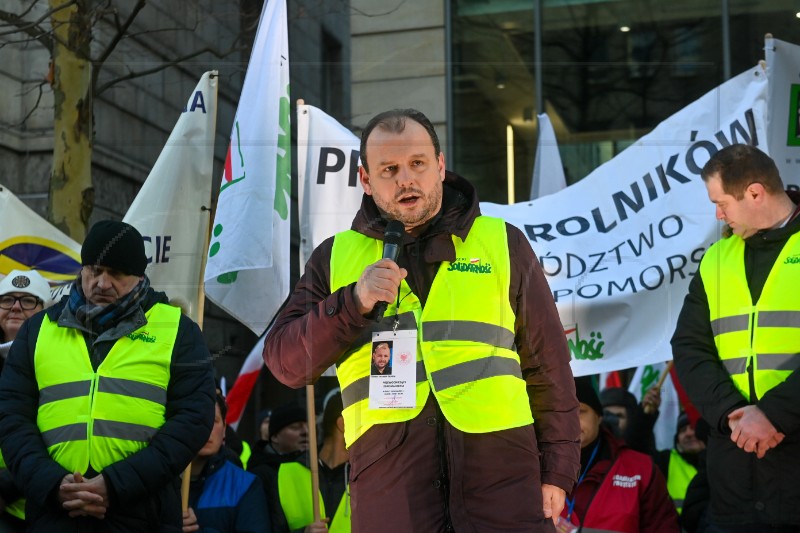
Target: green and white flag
(171, 209)
(247, 273)
(783, 109)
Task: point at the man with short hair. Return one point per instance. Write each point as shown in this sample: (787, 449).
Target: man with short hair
(736, 345)
(106, 397)
(381, 355)
(449, 441)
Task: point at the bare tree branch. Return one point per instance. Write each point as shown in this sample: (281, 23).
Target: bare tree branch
(35, 106)
(171, 63)
(121, 31)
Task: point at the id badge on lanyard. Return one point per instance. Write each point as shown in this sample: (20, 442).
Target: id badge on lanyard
(393, 369)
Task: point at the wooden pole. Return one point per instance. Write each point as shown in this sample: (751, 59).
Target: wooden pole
(312, 450)
(648, 409)
(201, 304)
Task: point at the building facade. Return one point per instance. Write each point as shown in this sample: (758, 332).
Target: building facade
(605, 71)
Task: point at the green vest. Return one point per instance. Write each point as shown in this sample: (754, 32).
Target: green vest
(766, 334)
(679, 475)
(465, 336)
(294, 491)
(98, 418)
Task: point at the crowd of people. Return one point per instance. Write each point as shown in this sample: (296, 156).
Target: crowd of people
(108, 395)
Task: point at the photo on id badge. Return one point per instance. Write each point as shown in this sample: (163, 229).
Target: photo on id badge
(381, 358)
(393, 370)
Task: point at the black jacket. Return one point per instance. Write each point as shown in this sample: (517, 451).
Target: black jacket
(144, 488)
(745, 489)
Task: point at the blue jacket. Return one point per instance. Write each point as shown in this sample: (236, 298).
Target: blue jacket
(226, 499)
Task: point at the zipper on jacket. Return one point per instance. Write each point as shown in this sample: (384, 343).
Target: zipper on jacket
(751, 379)
(90, 420)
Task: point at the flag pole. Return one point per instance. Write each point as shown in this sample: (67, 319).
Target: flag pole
(187, 473)
(312, 432)
(312, 451)
(201, 304)
(649, 409)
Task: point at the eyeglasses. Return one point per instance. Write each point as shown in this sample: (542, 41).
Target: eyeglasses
(7, 301)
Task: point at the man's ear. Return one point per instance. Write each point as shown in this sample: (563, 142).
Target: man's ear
(363, 177)
(756, 191)
(340, 423)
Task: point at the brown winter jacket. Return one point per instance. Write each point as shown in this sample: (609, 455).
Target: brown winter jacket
(316, 327)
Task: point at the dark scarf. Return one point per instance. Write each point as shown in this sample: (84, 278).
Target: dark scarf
(96, 318)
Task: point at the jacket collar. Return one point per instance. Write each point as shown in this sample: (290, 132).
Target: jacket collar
(459, 210)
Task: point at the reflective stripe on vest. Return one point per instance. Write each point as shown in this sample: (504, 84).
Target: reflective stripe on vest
(679, 475)
(98, 418)
(765, 335)
(294, 492)
(465, 335)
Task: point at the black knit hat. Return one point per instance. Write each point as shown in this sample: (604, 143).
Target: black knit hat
(116, 245)
(587, 393)
(683, 421)
(285, 415)
(620, 397)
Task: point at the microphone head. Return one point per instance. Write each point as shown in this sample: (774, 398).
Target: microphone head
(394, 232)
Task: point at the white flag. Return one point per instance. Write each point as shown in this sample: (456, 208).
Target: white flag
(620, 246)
(247, 273)
(327, 170)
(645, 378)
(29, 242)
(548, 171)
(171, 210)
(783, 116)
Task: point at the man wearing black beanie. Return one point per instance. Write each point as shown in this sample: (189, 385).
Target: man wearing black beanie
(106, 397)
(618, 489)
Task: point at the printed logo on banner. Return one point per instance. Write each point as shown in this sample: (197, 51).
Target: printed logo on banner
(581, 348)
(793, 137)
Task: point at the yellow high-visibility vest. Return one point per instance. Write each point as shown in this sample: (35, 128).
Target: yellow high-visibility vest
(294, 492)
(96, 418)
(465, 336)
(764, 334)
(679, 475)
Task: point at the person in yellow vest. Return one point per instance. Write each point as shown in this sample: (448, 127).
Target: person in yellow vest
(477, 427)
(736, 345)
(679, 465)
(106, 397)
(23, 293)
(292, 510)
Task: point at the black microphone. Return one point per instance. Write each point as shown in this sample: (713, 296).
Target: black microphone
(392, 238)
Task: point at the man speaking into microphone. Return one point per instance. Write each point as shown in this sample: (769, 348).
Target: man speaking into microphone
(476, 428)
